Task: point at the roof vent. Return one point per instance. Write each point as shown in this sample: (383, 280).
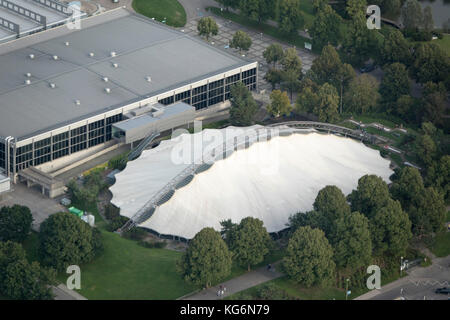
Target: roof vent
(67, 43)
(115, 65)
(28, 74)
(55, 57)
(105, 79)
(77, 102)
(91, 54)
(52, 85)
(107, 90)
(148, 78)
(113, 53)
(28, 81)
(31, 56)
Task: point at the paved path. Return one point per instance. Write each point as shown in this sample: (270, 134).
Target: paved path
(61, 292)
(248, 280)
(418, 285)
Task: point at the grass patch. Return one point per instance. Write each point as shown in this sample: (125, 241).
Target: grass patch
(294, 40)
(444, 43)
(171, 10)
(127, 270)
(294, 291)
(441, 244)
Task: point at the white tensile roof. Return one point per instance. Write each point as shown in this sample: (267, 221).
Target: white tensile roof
(270, 180)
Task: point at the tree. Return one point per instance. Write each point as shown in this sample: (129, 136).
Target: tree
(291, 17)
(428, 22)
(434, 102)
(360, 42)
(260, 10)
(207, 259)
(228, 231)
(21, 280)
(412, 15)
(351, 242)
(326, 67)
(292, 71)
(426, 149)
(273, 54)
(66, 240)
(390, 229)
(371, 194)
(279, 104)
(15, 223)
(405, 107)
(251, 242)
(324, 29)
(243, 106)
(274, 77)
(396, 48)
(330, 205)
(309, 258)
(327, 109)
(407, 187)
(430, 63)
(206, 27)
(395, 83)
(307, 100)
(362, 95)
(427, 213)
(241, 41)
(304, 219)
(438, 176)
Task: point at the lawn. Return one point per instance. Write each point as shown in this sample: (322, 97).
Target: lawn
(294, 291)
(441, 244)
(171, 10)
(444, 43)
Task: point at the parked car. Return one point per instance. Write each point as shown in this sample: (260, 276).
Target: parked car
(368, 68)
(444, 290)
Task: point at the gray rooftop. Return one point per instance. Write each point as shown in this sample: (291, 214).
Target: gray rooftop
(26, 24)
(142, 48)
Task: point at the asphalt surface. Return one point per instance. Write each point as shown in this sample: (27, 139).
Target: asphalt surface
(420, 284)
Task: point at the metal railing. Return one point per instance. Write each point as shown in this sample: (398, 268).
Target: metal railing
(24, 12)
(10, 26)
(55, 5)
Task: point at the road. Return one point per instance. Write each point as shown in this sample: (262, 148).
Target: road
(418, 285)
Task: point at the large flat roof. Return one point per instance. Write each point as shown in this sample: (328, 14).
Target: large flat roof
(142, 48)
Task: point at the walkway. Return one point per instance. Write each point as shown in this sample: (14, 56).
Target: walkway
(246, 281)
(61, 292)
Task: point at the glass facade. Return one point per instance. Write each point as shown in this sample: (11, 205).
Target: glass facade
(65, 143)
(100, 131)
(215, 92)
(2, 155)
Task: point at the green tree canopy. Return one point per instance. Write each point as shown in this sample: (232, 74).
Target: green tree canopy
(325, 68)
(243, 105)
(259, 10)
(331, 205)
(207, 259)
(396, 48)
(327, 109)
(430, 63)
(67, 240)
(251, 242)
(279, 104)
(21, 280)
(412, 15)
(273, 54)
(407, 187)
(390, 229)
(325, 28)
(309, 258)
(395, 82)
(241, 41)
(290, 17)
(15, 223)
(351, 242)
(206, 27)
(362, 95)
(371, 194)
